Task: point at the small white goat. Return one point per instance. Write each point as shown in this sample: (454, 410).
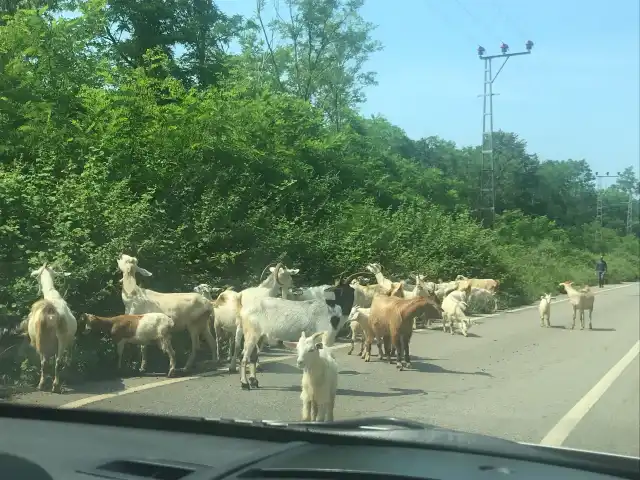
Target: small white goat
(453, 312)
(545, 310)
(358, 320)
(138, 330)
(319, 377)
(285, 320)
(51, 334)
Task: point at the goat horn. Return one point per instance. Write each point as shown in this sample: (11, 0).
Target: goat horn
(45, 265)
(276, 272)
(351, 277)
(265, 269)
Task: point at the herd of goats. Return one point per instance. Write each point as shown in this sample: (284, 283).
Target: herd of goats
(306, 320)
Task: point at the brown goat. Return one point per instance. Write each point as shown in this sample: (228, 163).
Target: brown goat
(391, 318)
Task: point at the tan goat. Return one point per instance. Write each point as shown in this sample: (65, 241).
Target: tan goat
(48, 334)
(391, 318)
(138, 330)
(189, 311)
(580, 300)
(485, 283)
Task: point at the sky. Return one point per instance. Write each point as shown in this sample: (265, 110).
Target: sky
(576, 96)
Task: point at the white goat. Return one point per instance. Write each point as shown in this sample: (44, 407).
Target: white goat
(453, 312)
(190, 311)
(319, 377)
(207, 290)
(52, 334)
(285, 320)
(138, 330)
(278, 282)
(310, 293)
(358, 320)
(545, 310)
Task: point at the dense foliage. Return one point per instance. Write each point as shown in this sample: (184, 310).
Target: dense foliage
(129, 127)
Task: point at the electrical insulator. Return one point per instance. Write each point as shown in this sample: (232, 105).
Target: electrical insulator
(481, 51)
(504, 47)
(529, 45)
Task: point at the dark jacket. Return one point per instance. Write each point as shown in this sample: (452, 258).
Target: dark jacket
(601, 266)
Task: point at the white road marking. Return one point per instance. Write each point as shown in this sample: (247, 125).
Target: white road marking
(170, 381)
(565, 426)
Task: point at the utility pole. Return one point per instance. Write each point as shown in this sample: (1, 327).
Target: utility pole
(487, 180)
(600, 206)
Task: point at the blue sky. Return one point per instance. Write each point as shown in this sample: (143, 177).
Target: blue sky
(576, 96)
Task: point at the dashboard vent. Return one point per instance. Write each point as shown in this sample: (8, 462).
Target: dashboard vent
(323, 473)
(141, 469)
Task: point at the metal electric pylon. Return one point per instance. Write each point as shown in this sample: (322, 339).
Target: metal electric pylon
(487, 206)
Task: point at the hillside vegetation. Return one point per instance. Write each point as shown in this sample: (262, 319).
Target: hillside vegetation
(208, 165)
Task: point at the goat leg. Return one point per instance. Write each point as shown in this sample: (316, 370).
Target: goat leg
(43, 363)
(237, 348)
(405, 347)
(194, 334)
(306, 411)
(213, 345)
(253, 360)
(143, 354)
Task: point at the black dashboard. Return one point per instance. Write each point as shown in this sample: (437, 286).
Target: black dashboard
(44, 444)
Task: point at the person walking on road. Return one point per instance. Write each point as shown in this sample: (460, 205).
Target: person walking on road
(601, 269)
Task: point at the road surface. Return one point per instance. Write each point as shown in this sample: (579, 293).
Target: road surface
(510, 378)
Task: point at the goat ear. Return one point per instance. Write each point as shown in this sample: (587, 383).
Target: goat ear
(291, 345)
(294, 271)
(144, 272)
(272, 269)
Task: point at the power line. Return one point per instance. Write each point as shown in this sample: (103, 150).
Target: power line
(488, 29)
(509, 20)
(487, 178)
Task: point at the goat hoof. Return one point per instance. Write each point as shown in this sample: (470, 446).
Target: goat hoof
(232, 369)
(171, 373)
(253, 381)
(41, 385)
(407, 365)
(56, 388)
(349, 352)
(590, 327)
(245, 386)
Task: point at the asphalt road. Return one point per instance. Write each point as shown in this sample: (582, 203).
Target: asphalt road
(510, 378)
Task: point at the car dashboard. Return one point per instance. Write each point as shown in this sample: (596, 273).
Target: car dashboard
(44, 444)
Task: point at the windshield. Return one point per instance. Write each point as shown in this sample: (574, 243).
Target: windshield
(307, 210)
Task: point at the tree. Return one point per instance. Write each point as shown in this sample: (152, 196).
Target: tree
(320, 52)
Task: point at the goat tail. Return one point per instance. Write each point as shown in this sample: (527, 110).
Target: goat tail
(46, 319)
